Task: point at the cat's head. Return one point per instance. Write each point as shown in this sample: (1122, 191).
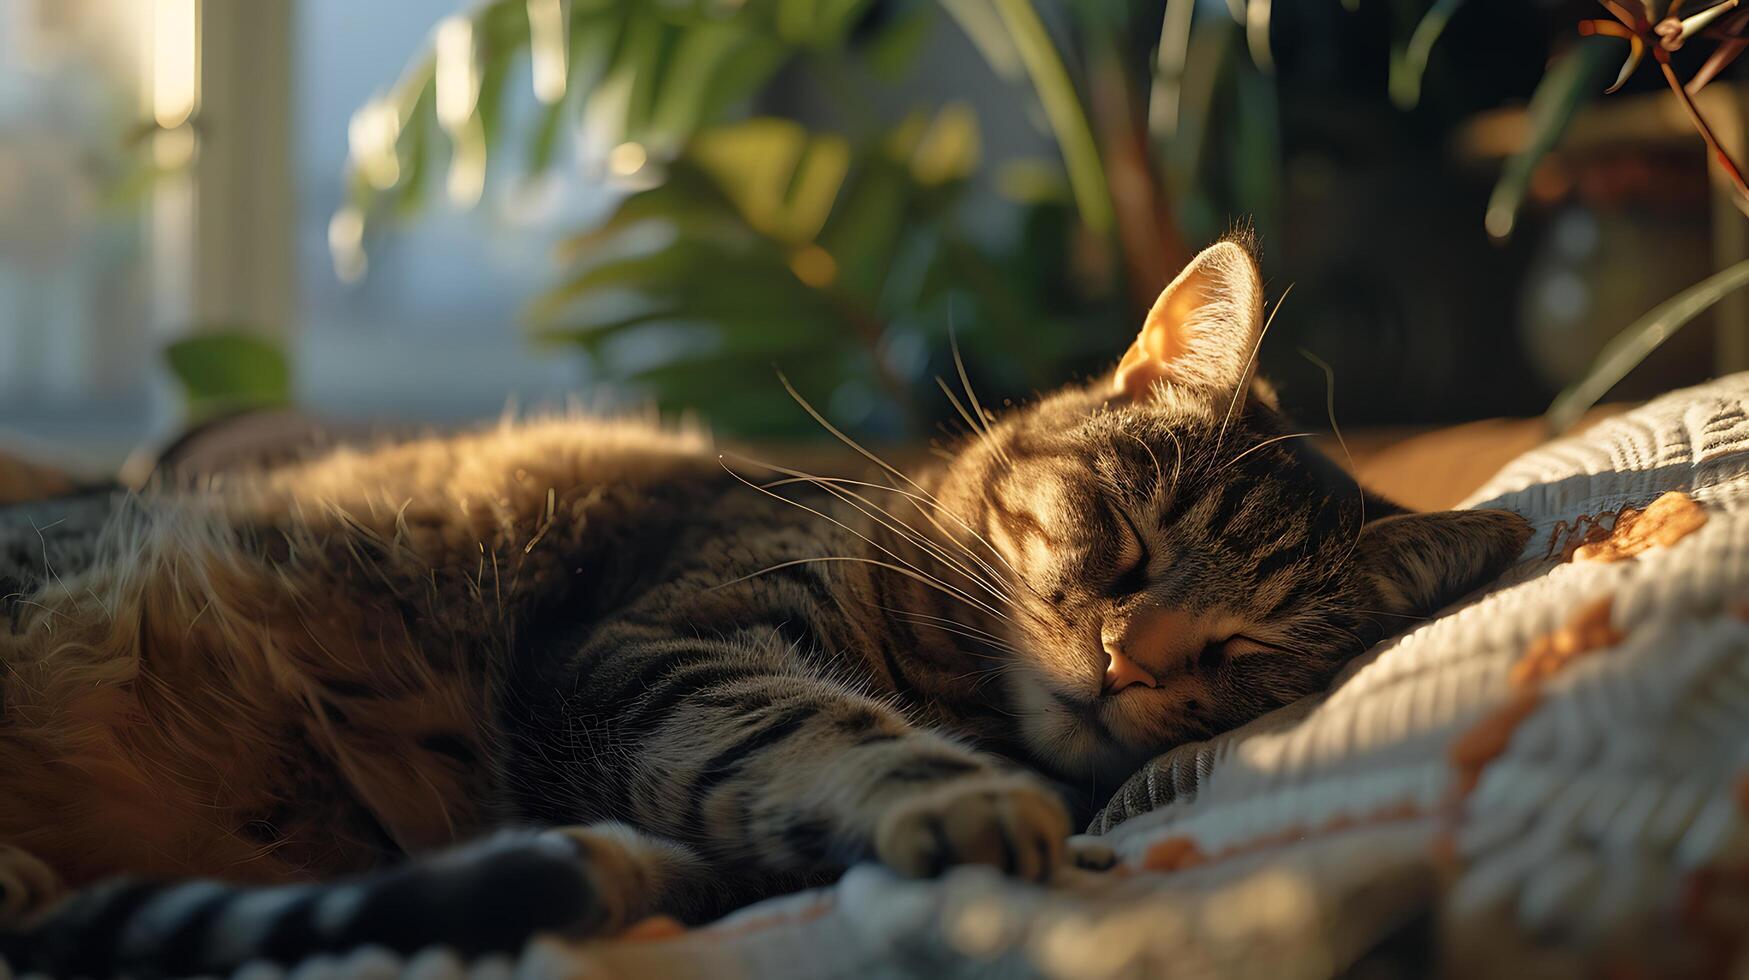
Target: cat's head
(1176, 557)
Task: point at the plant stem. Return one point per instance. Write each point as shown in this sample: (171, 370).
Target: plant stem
(1146, 231)
(1726, 163)
(1630, 347)
(1063, 110)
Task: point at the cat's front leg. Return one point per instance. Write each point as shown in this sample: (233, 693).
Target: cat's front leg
(922, 803)
(792, 772)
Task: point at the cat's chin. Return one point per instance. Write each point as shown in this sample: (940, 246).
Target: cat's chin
(1073, 737)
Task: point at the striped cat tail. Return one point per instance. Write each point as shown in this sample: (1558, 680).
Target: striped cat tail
(491, 896)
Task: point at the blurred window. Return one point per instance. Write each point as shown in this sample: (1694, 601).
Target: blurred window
(73, 296)
(432, 331)
(106, 256)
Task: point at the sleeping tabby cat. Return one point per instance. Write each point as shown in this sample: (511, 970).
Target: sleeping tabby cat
(660, 682)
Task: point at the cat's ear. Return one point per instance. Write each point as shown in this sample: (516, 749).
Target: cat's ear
(1418, 563)
(1201, 331)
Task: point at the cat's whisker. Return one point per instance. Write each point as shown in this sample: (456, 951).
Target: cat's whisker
(978, 409)
(949, 626)
(1010, 651)
(993, 575)
(984, 676)
(917, 501)
(1360, 643)
(1329, 628)
(992, 581)
(1330, 410)
(912, 533)
(915, 572)
(826, 424)
(914, 536)
(841, 437)
(1387, 612)
(1009, 582)
(988, 674)
(902, 570)
(972, 647)
(1159, 474)
(977, 431)
(1002, 670)
(1268, 442)
(993, 586)
(909, 569)
(1178, 458)
(943, 619)
(1250, 363)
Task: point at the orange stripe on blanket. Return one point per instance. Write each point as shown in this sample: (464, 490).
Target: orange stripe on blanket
(1487, 739)
(662, 928)
(1586, 529)
(1669, 519)
(654, 928)
(1173, 854)
(1586, 631)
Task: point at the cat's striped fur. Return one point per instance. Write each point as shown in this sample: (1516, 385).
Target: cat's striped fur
(723, 682)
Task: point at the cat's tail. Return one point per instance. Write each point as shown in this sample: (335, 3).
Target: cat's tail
(491, 896)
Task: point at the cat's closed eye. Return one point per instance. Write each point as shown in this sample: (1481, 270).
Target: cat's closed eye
(1217, 653)
(1130, 574)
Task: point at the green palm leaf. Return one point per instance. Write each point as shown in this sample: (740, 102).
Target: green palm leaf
(1567, 85)
(1630, 347)
(776, 242)
(634, 72)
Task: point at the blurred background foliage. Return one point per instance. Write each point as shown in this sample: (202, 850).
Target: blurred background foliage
(784, 201)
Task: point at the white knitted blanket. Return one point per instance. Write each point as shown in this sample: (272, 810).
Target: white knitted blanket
(1606, 823)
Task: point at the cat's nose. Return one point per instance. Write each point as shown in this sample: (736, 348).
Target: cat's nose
(1121, 672)
(1148, 645)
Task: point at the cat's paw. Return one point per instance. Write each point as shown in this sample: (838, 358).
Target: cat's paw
(27, 885)
(1513, 528)
(1011, 822)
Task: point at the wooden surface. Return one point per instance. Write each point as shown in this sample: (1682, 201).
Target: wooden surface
(21, 481)
(1433, 469)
